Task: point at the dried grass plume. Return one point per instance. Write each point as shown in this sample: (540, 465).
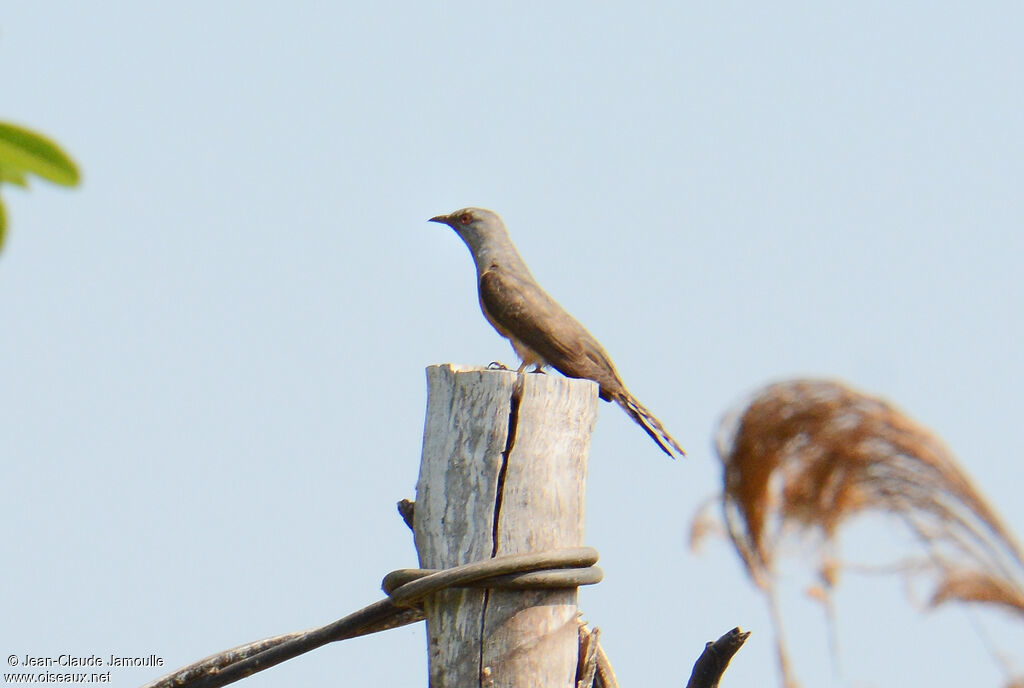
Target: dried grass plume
(807, 456)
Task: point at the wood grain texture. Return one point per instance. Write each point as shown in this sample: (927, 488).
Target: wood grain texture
(468, 493)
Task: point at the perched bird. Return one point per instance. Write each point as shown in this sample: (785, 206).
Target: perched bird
(541, 332)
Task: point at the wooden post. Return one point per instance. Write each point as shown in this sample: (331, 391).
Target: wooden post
(503, 472)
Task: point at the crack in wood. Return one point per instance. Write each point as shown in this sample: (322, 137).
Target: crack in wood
(510, 441)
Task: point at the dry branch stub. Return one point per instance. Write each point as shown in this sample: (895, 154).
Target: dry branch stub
(503, 472)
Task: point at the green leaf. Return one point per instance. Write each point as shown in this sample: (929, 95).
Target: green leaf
(24, 151)
(3, 225)
(13, 176)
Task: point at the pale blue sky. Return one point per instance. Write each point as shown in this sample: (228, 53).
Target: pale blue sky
(212, 353)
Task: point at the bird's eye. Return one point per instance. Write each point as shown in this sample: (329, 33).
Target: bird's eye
(465, 219)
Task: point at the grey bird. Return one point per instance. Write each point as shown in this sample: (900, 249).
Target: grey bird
(541, 331)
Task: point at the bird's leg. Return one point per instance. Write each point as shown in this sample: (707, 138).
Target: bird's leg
(538, 367)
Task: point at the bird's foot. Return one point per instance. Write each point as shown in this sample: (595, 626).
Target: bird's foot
(497, 365)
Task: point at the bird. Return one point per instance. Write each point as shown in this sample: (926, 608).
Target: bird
(541, 332)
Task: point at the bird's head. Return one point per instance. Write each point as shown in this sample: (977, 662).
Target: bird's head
(474, 225)
(484, 234)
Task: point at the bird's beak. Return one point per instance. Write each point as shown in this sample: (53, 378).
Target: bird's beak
(443, 219)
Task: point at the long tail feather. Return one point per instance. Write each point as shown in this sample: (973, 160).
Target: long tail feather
(651, 425)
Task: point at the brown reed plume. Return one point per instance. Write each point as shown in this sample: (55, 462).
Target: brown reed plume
(806, 456)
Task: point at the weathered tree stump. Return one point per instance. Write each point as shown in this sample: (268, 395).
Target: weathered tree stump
(503, 472)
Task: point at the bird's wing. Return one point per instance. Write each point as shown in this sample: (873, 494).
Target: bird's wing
(521, 309)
